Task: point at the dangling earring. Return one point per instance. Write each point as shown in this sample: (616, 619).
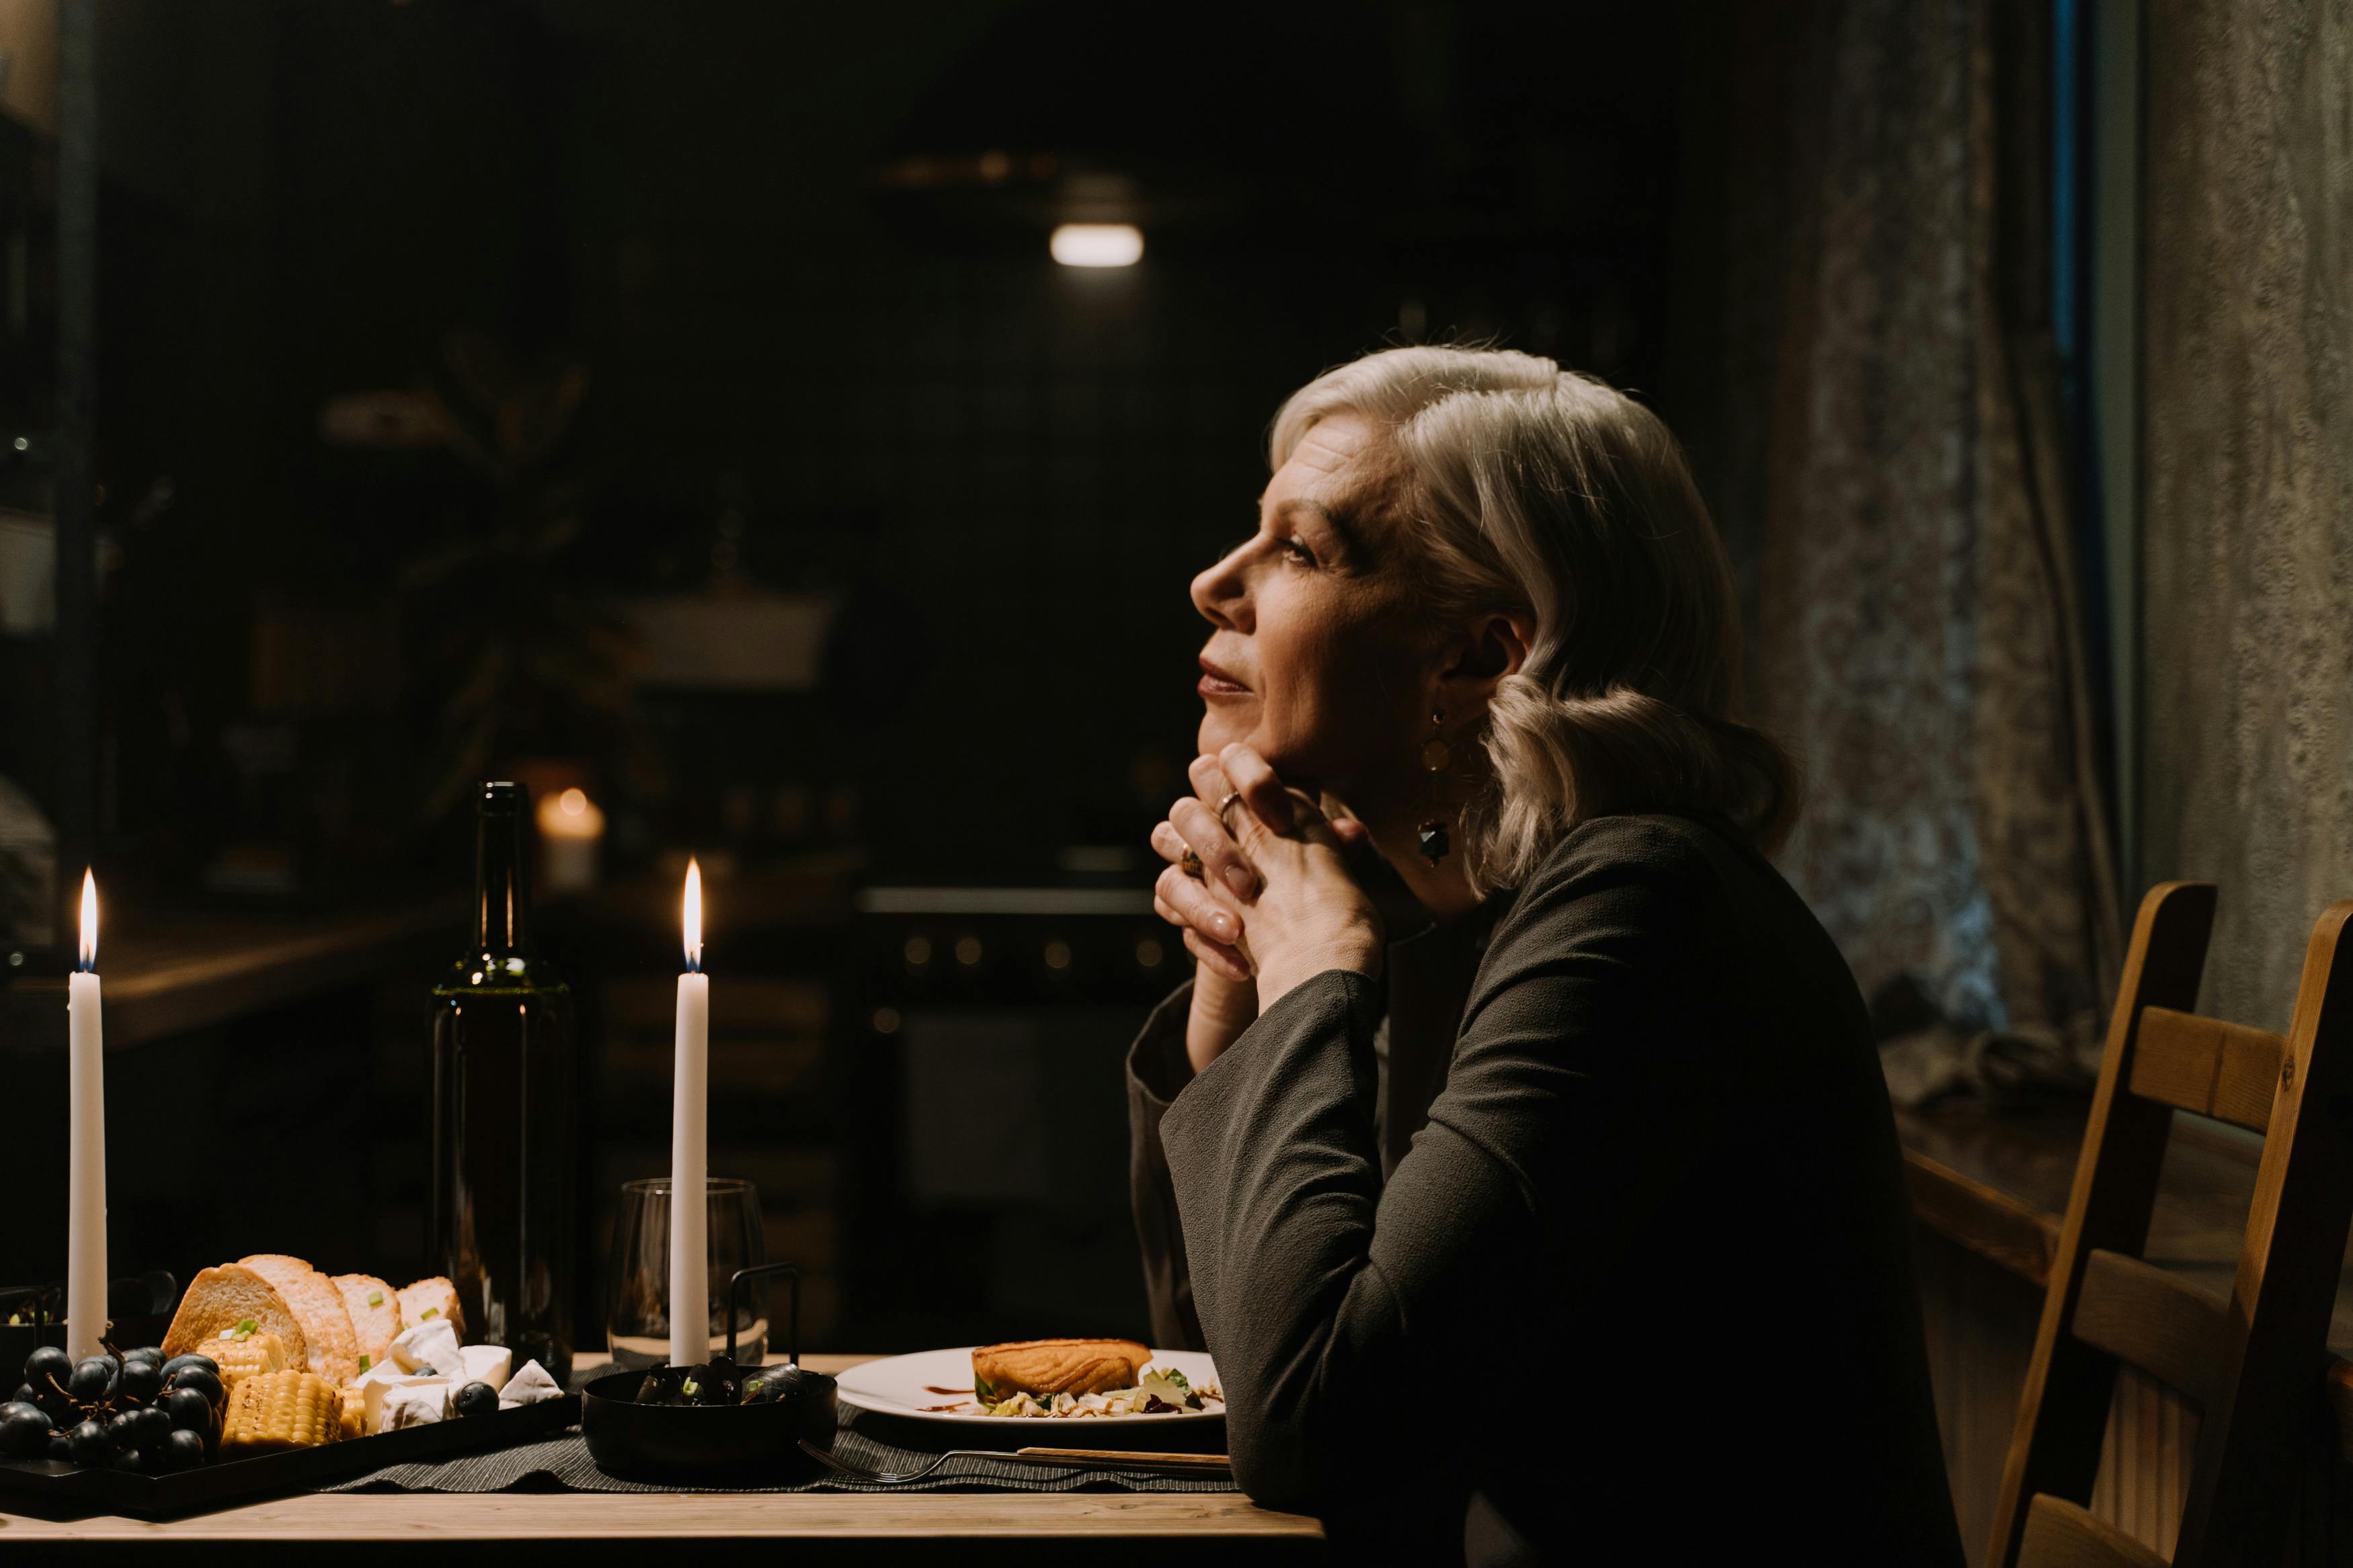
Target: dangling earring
(1431, 835)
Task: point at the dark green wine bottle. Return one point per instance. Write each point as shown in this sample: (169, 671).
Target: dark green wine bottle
(505, 1112)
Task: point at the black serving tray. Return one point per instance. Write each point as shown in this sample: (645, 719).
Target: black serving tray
(51, 1485)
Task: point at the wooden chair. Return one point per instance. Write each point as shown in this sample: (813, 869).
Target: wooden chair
(2254, 1363)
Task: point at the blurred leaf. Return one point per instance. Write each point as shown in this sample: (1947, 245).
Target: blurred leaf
(521, 657)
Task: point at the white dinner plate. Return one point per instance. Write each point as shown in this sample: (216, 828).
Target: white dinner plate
(903, 1384)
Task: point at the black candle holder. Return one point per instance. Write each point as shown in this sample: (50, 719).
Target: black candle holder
(713, 1443)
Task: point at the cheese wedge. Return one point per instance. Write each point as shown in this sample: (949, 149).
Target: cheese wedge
(393, 1402)
(486, 1364)
(528, 1386)
(430, 1347)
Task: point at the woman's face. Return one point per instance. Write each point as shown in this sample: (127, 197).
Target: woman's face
(1316, 659)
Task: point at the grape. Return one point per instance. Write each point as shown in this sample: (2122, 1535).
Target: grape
(87, 1445)
(46, 1363)
(122, 1429)
(181, 1451)
(146, 1352)
(141, 1381)
(188, 1409)
(477, 1399)
(27, 1394)
(203, 1381)
(59, 1447)
(24, 1431)
(93, 1379)
(180, 1363)
(131, 1460)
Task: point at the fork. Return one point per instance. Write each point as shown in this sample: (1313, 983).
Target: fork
(1064, 1459)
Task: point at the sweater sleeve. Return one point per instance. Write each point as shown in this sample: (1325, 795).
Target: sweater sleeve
(1157, 1071)
(1333, 1302)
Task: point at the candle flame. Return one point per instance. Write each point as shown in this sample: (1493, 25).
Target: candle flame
(693, 916)
(89, 920)
(573, 801)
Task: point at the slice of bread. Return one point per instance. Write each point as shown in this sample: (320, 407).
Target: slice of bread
(374, 1308)
(318, 1306)
(427, 1296)
(220, 1299)
(1057, 1366)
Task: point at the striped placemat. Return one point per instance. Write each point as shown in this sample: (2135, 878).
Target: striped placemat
(562, 1464)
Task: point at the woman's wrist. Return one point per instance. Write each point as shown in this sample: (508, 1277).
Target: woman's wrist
(1354, 955)
(1222, 1011)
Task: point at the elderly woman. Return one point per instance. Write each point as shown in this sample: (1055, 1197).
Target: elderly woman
(1573, 1226)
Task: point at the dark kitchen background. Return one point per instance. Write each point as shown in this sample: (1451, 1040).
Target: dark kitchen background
(680, 405)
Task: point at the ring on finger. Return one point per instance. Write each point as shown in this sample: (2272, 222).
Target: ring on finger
(1225, 805)
(1190, 864)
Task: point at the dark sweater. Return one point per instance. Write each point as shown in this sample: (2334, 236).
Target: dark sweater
(1641, 1285)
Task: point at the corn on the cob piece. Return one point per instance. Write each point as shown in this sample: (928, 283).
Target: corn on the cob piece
(242, 1358)
(354, 1417)
(282, 1410)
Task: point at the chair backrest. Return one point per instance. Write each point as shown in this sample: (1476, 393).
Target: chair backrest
(2251, 1363)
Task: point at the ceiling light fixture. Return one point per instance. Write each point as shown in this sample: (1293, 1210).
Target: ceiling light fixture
(1097, 245)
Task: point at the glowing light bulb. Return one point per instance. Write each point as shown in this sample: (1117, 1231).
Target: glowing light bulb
(1097, 245)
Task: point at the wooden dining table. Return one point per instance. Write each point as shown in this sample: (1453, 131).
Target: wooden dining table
(429, 1529)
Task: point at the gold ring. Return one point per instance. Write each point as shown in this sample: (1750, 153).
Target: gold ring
(1225, 805)
(1190, 864)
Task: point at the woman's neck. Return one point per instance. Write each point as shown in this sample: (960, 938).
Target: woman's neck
(1440, 886)
(1393, 810)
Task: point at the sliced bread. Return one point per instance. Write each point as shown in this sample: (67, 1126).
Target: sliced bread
(318, 1306)
(219, 1300)
(374, 1308)
(431, 1298)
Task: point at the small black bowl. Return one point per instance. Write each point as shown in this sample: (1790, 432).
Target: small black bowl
(714, 1445)
(709, 1444)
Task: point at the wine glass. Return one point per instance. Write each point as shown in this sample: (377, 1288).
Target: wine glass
(636, 1310)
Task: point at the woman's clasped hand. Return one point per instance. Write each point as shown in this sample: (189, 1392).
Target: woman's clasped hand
(1275, 903)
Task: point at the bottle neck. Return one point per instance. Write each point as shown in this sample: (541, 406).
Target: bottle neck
(501, 898)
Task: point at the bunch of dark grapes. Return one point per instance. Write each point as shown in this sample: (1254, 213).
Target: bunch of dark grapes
(133, 1411)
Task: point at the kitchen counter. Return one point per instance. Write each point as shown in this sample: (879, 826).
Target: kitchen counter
(169, 976)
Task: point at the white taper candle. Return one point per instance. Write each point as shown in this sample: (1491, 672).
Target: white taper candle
(86, 1318)
(690, 1285)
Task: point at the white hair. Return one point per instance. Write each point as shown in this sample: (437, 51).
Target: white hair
(1519, 487)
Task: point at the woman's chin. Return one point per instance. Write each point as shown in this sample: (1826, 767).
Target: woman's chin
(1220, 729)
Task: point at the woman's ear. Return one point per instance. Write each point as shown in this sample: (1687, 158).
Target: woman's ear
(1497, 646)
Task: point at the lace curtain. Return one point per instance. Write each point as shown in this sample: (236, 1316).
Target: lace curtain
(1882, 445)
(2247, 384)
